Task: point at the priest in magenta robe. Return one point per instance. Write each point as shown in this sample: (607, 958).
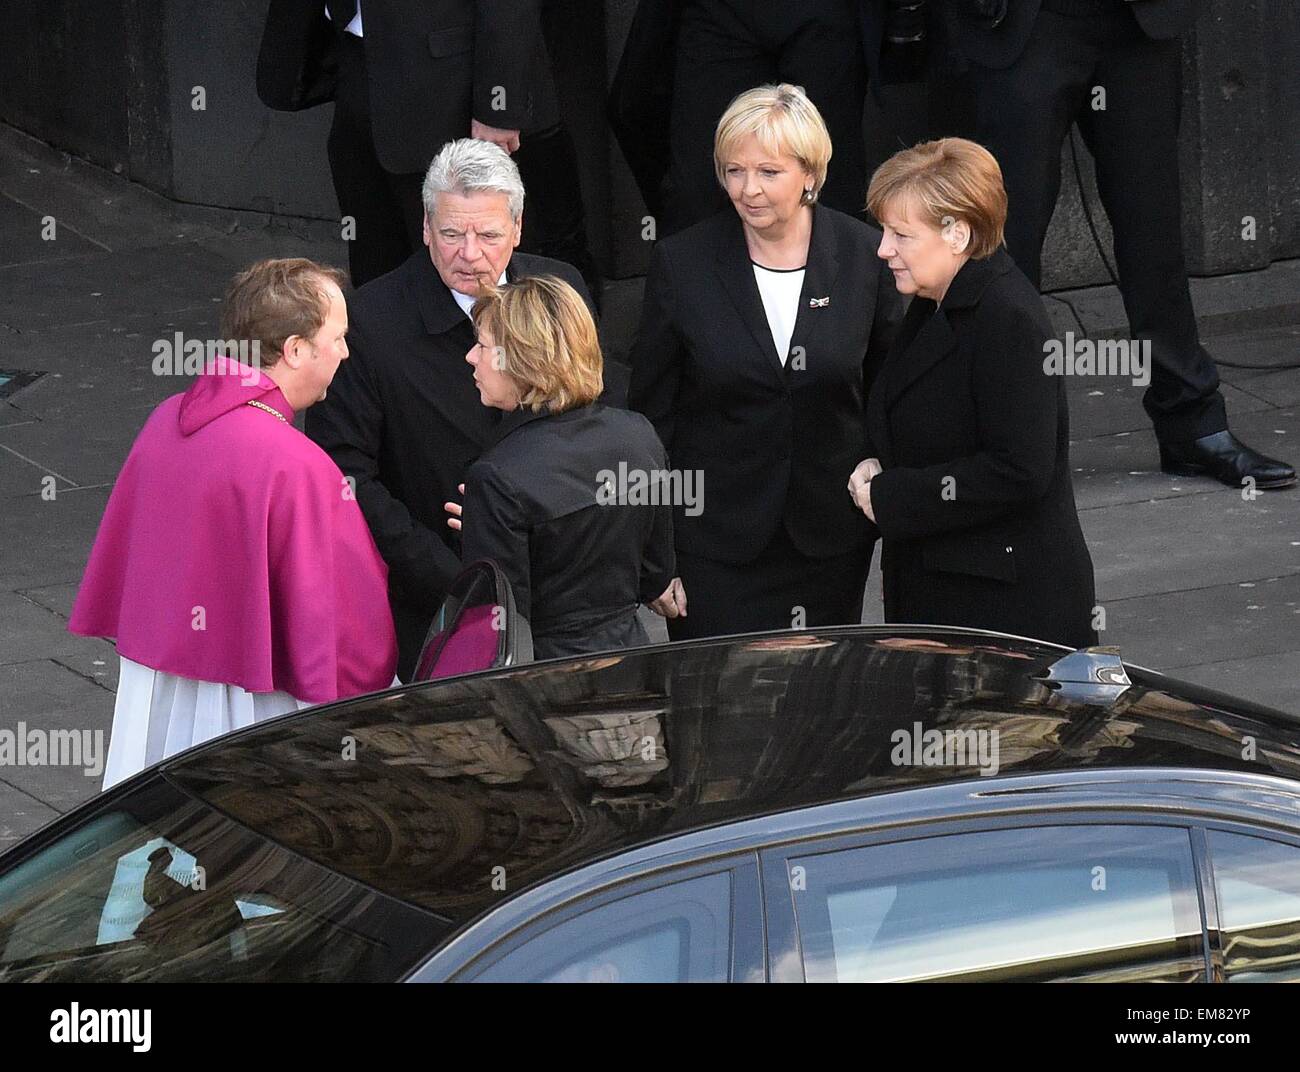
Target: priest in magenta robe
(233, 566)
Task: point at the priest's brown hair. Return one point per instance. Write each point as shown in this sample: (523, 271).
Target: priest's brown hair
(547, 340)
(273, 300)
(948, 179)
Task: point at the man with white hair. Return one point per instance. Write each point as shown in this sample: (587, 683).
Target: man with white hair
(403, 418)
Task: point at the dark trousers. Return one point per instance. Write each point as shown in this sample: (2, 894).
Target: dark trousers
(781, 589)
(725, 47)
(388, 210)
(1024, 114)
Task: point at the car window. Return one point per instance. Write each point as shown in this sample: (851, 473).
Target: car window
(679, 932)
(1258, 886)
(1104, 903)
(156, 886)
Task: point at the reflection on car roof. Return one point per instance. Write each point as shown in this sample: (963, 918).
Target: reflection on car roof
(454, 794)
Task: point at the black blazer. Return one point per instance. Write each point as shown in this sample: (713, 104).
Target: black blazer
(579, 559)
(774, 444)
(432, 66)
(403, 420)
(1001, 46)
(975, 503)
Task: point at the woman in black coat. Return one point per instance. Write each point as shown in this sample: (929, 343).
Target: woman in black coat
(969, 479)
(568, 501)
(759, 335)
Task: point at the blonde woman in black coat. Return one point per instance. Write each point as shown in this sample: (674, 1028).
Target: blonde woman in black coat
(560, 501)
(969, 478)
(760, 333)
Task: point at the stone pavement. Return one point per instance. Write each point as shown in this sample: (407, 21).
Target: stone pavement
(1194, 580)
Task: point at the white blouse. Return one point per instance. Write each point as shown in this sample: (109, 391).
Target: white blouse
(780, 289)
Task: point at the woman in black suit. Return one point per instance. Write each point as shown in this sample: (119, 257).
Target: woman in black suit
(759, 335)
(969, 479)
(568, 500)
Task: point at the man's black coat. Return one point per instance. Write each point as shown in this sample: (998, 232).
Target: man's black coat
(404, 420)
(975, 503)
(433, 65)
(1001, 45)
(641, 93)
(774, 444)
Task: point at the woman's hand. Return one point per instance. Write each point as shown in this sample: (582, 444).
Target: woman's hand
(866, 469)
(860, 484)
(672, 604)
(454, 510)
(863, 498)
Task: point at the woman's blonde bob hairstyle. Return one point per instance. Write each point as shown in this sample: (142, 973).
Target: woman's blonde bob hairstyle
(949, 179)
(547, 339)
(785, 122)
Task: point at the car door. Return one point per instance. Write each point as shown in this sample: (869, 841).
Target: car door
(698, 923)
(1254, 905)
(1105, 901)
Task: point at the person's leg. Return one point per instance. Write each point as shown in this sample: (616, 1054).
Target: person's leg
(362, 186)
(555, 223)
(406, 193)
(819, 46)
(1134, 141)
(1022, 114)
(716, 59)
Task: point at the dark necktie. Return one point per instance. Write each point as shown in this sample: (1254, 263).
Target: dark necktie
(342, 12)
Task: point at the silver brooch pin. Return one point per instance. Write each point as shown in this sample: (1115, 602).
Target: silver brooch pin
(819, 303)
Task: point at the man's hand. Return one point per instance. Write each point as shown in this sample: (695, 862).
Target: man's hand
(454, 509)
(672, 604)
(507, 139)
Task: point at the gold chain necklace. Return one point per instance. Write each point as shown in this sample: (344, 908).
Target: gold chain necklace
(273, 412)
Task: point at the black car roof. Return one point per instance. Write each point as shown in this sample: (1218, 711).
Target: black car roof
(453, 795)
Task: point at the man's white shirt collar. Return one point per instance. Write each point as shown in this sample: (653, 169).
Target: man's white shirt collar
(466, 302)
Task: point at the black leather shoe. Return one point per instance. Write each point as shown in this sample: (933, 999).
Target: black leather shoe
(1227, 459)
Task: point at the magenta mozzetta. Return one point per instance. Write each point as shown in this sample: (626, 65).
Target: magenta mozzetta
(232, 551)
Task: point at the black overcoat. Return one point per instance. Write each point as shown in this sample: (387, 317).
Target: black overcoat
(571, 506)
(403, 420)
(432, 65)
(975, 503)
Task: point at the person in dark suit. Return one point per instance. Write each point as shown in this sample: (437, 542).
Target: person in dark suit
(403, 420)
(1113, 67)
(759, 336)
(569, 500)
(685, 60)
(406, 77)
(969, 478)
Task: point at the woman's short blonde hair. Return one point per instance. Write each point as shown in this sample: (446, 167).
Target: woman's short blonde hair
(785, 122)
(547, 341)
(949, 179)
